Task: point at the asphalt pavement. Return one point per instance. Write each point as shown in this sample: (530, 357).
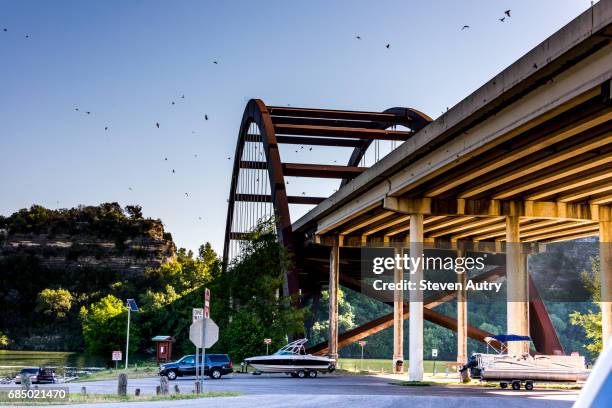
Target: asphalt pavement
(340, 391)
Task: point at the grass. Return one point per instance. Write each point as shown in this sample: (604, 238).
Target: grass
(111, 374)
(377, 365)
(414, 383)
(106, 398)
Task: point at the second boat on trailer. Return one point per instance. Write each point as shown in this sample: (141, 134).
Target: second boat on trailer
(292, 359)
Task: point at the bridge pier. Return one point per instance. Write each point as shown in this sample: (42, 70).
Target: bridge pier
(398, 320)
(605, 256)
(334, 282)
(517, 287)
(462, 321)
(415, 340)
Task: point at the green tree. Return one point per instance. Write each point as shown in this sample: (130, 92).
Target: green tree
(4, 340)
(104, 326)
(54, 302)
(590, 321)
(259, 311)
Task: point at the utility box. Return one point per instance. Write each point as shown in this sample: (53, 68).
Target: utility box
(163, 347)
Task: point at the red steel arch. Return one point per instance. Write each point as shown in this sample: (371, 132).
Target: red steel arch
(315, 127)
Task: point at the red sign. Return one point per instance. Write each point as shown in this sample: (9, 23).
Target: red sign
(362, 343)
(267, 341)
(206, 303)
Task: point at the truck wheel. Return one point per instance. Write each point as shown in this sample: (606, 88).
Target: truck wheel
(529, 385)
(516, 385)
(171, 375)
(301, 374)
(503, 384)
(312, 374)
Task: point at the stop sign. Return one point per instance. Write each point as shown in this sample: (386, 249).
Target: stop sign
(211, 329)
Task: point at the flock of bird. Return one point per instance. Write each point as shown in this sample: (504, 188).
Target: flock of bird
(506, 14)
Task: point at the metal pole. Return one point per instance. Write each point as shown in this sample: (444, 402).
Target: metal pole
(197, 365)
(203, 353)
(127, 340)
(266, 349)
(361, 358)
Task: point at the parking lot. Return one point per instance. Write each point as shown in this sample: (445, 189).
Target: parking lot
(342, 391)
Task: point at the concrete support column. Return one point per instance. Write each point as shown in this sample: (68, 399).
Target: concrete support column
(334, 282)
(398, 318)
(462, 353)
(517, 287)
(415, 346)
(605, 257)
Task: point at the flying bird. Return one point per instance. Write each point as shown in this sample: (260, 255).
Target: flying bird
(173, 102)
(502, 19)
(199, 218)
(173, 171)
(27, 36)
(130, 188)
(358, 37)
(507, 12)
(105, 127)
(76, 109)
(88, 112)
(157, 124)
(215, 62)
(183, 96)
(5, 30)
(205, 117)
(165, 159)
(186, 194)
(465, 27)
(387, 46)
(303, 193)
(195, 155)
(310, 149)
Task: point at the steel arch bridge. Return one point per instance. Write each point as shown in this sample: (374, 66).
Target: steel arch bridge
(258, 190)
(258, 185)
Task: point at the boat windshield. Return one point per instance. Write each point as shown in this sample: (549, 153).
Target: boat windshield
(293, 348)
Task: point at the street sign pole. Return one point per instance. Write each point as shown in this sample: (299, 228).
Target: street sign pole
(205, 316)
(127, 340)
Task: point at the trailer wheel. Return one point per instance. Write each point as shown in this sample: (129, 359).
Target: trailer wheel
(516, 385)
(301, 374)
(503, 384)
(529, 385)
(312, 374)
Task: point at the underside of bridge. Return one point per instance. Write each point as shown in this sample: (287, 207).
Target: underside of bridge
(527, 158)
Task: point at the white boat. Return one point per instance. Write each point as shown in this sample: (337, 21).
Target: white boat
(524, 369)
(292, 359)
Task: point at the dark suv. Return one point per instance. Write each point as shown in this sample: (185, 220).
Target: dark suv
(216, 366)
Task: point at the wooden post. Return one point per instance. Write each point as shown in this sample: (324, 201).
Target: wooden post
(605, 257)
(122, 385)
(334, 281)
(164, 385)
(398, 320)
(415, 345)
(517, 287)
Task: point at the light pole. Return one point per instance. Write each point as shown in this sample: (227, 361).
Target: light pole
(131, 307)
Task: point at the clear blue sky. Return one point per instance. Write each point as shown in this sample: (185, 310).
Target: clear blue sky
(125, 61)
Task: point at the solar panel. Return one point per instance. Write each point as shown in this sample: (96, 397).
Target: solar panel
(132, 305)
